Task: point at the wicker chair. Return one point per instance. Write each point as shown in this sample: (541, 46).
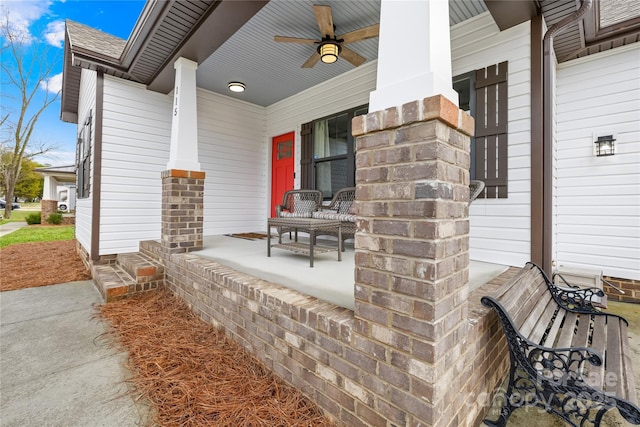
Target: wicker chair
(340, 209)
(476, 187)
(298, 204)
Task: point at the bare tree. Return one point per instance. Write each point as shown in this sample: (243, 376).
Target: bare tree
(26, 66)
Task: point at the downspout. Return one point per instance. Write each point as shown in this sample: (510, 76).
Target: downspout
(548, 131)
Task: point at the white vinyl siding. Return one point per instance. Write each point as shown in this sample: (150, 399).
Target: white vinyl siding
(598, 203)
(135, 150)
(86, 106)
(343, 92)
(233, 154)
(500, 229)
(136, 141)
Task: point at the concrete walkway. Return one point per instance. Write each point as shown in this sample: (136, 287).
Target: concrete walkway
(11, 227)
(55, 369)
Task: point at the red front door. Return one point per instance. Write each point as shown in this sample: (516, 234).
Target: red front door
(281, 168)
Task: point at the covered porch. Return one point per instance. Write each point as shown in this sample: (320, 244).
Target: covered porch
(329, 280)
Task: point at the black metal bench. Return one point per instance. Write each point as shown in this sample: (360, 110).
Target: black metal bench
(567, 356)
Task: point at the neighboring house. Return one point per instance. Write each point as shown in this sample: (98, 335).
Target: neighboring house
(120, 94)
(59, 189)
(155, 109)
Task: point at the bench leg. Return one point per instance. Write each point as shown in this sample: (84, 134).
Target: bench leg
(578, 407)
(509, 398)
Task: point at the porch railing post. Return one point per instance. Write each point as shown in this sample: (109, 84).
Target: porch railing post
(182, 211)
(412, 258)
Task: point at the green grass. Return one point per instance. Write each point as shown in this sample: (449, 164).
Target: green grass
(16, 216)
(38, 234)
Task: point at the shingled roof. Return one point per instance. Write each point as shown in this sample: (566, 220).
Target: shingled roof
(90, 39)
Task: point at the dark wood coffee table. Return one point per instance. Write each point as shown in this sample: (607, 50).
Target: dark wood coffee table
(307, 225)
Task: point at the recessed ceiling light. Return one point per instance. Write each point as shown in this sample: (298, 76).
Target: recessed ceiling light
(236, 87)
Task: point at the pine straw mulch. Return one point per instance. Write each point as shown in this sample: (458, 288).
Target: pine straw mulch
(28, 265)
(194, 375)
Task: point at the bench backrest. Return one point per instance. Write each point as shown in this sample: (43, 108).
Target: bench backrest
(525, 297)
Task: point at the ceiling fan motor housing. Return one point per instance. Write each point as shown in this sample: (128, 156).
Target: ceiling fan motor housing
(329, 49)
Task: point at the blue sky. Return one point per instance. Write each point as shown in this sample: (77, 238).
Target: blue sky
(44, 21)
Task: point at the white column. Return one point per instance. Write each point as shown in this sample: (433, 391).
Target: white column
(50, 188)
(184, 126)
(414, 53)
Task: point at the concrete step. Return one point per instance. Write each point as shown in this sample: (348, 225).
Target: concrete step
(113, 282)
(141, 267)
(152, 249)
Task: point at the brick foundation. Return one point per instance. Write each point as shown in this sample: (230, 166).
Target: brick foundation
(89, 263)
(630, 287)
(312, 344)
(68, 219)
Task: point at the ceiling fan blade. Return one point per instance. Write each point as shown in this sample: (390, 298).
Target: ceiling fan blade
(351, 56)
(313, 60)
(361, 34)
(285, 39)
(325, 20)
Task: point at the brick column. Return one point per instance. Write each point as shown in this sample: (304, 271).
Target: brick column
(47, 207)
(182, 211)
(412, 177)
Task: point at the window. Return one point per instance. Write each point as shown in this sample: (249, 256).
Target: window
(83, 159)
(484, 94)
(328, 154)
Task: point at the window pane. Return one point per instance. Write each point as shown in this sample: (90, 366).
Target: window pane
(285, 150)
(331, 176)
(331, 136)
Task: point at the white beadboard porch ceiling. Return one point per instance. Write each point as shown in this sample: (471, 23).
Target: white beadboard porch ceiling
(273, 71)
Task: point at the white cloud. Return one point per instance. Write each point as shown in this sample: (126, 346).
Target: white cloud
(22, 14)
(53, 84)
(54, 34)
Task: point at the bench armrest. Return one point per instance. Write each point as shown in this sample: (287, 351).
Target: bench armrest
(566, 360)
(557, 358)
(577, 300)
(582, 300)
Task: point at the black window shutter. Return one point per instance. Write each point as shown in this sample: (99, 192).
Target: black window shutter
(491, 139)
(306, 156)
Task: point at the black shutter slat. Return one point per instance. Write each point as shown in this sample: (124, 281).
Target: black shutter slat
(491, 164)
(502, 166)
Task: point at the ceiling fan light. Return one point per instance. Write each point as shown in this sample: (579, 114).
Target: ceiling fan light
(236, 87)
(329, 52)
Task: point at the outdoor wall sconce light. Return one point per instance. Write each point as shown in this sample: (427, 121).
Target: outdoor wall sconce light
(237, 87)
(329, 51)
(605, 146)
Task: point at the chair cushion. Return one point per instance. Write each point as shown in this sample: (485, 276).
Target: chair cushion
(334, 216)
(302, 214)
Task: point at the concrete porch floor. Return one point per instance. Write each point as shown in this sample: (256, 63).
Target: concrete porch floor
(328, 280)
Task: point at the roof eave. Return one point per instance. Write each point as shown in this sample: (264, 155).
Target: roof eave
(214, 28)
(509, 13)
(70, 84)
